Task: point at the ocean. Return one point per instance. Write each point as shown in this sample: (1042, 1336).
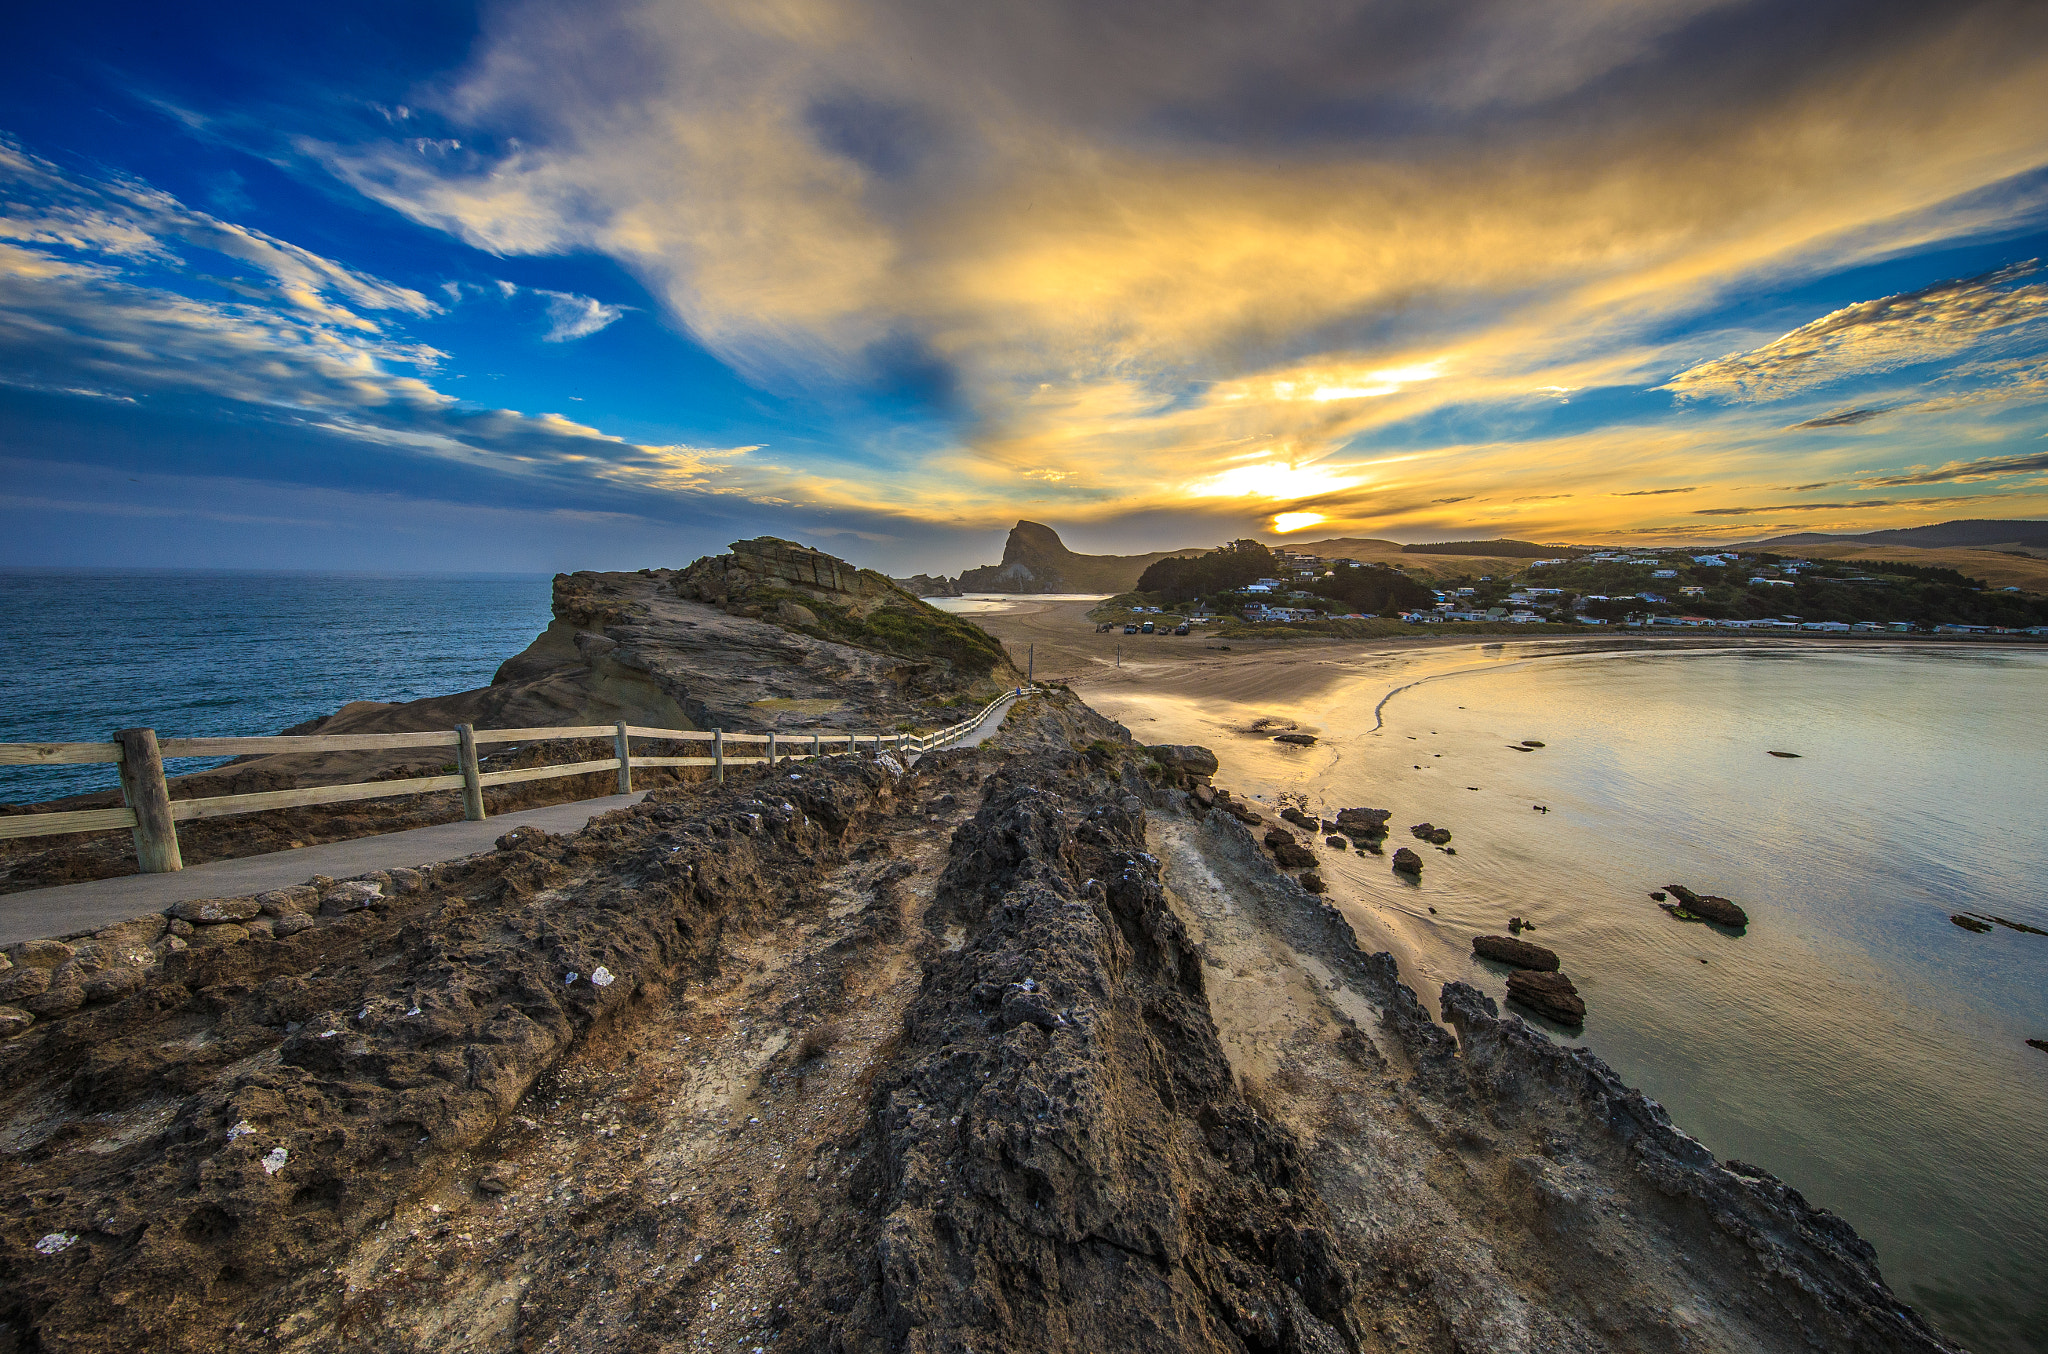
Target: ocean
(1854, 1042)
(218, 654)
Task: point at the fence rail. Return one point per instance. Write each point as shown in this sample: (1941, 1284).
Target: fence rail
(152, 814)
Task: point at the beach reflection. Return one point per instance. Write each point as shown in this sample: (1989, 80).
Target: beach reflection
(1853, 1040)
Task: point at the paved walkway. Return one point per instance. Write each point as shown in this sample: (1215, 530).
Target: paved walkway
(71, 908)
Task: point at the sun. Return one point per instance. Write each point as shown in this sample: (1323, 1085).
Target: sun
(1284, 522)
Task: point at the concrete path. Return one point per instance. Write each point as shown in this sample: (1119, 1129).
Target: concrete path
(71, 908)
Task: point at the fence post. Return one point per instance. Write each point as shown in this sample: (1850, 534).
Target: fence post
(142, 785)
(771, 749)
(472, 783)
(624, 743)
(817, 746)
(718, 753)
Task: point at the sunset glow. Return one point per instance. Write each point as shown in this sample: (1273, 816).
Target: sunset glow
(867, 275)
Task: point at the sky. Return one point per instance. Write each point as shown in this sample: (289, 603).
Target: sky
(531, 287)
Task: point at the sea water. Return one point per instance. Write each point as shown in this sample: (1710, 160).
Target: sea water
(220, 654)
(1853, 1041)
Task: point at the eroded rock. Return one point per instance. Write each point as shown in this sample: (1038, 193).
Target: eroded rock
(1520, 953)
(1547, 994)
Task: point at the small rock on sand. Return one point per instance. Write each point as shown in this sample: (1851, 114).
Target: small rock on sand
(1300, 740)
(1407, 862)
(1793, 755)
(1313, 882)
(2041, 1044)
(1969, 923)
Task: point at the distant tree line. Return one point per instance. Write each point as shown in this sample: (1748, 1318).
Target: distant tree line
(1501, 549)
(1373, 591)
(1928, 573)
(1224, 569)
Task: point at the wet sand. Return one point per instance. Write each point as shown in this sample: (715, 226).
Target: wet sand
(1061, 641)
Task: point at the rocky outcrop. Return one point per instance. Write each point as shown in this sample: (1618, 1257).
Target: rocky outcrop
(1704, 907)
(1363, 822)
(1429, 832)
(1547, 994)
(1287, 852)
(1407, 862)
(1183, 761)
(924, 585)
(1520, 953)
(1036, 560)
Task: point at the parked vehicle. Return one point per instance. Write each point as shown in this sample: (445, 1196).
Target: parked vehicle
(1105, 627)
(1148, 628)
(1180, 629)
(1131, 629)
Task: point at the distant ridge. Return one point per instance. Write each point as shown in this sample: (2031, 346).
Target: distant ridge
(1337, 547)
(1497, 549)
(1973, 533)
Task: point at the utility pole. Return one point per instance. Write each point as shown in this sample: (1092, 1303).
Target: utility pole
(1030, 663)
(1119, 655)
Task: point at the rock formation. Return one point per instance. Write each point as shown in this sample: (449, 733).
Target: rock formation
(1036, 560)
(1704, 907)
(924, 585)
(1520, 953)
(1547, 994)
(1407, 862)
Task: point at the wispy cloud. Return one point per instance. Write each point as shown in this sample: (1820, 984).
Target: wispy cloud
(574, 317)
(114, 290)
(1985, 468)
(1872, 337)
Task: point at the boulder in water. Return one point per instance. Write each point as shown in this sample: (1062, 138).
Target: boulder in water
(1429, 832)
(1704, 907)
(1407, 862)
(1547, 994)
(1970, 923)
(1520, 953)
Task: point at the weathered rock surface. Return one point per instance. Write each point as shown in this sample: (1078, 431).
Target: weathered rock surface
(1304, 740)
(1364, 822)
(1183, 760)
(1969, 923)
(1547, 994)
(1287, 852)
(1520, 953)
(789, 1065)
(1407, 862)
(1429, 832)
(1704, 907)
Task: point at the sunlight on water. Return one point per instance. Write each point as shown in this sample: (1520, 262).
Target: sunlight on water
(1854, 1041)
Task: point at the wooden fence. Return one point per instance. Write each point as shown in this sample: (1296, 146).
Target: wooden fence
(153, 815)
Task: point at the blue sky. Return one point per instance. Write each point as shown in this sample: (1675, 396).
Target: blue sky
(606, 285)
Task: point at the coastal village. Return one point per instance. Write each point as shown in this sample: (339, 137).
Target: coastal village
(1640, 589)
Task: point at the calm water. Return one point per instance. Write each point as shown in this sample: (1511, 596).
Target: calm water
(219, 654)
(1854, 1041)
